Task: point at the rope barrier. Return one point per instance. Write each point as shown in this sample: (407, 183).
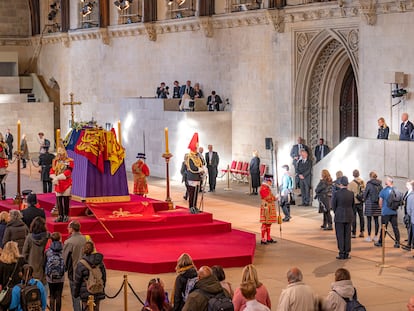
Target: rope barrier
(135, 294)
(117, 293)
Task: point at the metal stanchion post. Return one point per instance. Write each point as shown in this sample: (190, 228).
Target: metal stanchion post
(91, 303)
(125, 292)
(228, 179)
(383, 265)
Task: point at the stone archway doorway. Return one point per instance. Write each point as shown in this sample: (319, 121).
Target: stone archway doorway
(348, 107)
(326, 92)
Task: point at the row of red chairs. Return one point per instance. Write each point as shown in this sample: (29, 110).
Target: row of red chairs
(240, 170)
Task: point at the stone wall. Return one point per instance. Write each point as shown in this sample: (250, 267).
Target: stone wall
(246, 57)
(14, 18)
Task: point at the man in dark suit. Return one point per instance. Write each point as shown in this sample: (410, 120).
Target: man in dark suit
(295, 155)
(304, 172)
(212, 161)
(187, 89)
(214, 101)
(406, 127)
(321, 150)
(343, 205)
(9, 142)
(31, 212)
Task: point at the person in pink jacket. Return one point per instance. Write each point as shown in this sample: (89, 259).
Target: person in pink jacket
(249, 274)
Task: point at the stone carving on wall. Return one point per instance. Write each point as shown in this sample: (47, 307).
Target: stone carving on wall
(314, 91)
(368, 11)
(207, 26)
(302, 40)
(151, 31)
(277, 18)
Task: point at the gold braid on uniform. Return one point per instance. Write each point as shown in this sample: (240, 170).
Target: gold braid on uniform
(196, 160)
(60, 166)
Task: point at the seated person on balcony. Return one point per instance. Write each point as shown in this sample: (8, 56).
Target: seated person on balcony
(176, 89)
(213, 102)
(198, 93)
(162, 91)
(187, 96)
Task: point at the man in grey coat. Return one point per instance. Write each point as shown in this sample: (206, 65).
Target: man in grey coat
(343, 205)
(72, 253)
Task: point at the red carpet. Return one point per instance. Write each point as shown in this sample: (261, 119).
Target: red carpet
(148, 238)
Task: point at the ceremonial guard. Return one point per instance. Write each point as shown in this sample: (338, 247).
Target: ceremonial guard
(195, 171)
(140, 171)
(61, 174)
(4, 163)
(267, 209)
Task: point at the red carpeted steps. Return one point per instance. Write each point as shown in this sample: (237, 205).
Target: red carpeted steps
(150, 246)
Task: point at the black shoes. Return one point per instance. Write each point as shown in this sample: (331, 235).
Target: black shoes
(378, 244)
(397, 245)
(406, 247)
(286, 219)
(268, 242)
(328, 229)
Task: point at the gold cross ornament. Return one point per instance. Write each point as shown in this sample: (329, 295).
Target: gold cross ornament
(72, 103)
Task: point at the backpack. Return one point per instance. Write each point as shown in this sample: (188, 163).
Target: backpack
(46, 143)
(354, 304)
(189, 287)
(94, 283)
(360, 194)
(55, 266)
(395, 199)
(219, 302)
(30, 297)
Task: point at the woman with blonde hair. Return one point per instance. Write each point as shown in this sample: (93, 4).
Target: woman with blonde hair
(10, 264)
(249, 274)
(383, 129)
(323, 193)
(4, 219)
(186, 277)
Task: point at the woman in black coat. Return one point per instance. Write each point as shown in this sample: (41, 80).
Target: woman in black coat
(255, 172)
(323, 194)
(82, 274)
(16, 229)
(372, 208)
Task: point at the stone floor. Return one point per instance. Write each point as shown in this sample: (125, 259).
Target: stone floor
(300, 243)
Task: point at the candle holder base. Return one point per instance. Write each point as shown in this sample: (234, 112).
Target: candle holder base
(18, 200)
(170, 204)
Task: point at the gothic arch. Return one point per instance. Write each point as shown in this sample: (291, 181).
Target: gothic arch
(322, 58)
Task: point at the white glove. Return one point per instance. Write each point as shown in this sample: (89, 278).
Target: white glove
(61, 177)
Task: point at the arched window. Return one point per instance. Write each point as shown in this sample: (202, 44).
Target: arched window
(181, 8)
(129, 11)
(53, 22)
(89, 13)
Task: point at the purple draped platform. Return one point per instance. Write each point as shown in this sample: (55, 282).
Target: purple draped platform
(89, 182)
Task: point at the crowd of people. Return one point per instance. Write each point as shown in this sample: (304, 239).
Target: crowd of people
(31, 255)
(198, 289)
(187, 93)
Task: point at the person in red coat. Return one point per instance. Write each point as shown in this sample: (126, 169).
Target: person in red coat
(4, 163)
(61, 174)
(140, 171)
(267, 209)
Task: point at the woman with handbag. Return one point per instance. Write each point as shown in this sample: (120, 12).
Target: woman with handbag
(11, 264)
(323, 194)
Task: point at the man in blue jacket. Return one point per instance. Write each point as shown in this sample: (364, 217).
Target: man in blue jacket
(27, 279)
(388, 214)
